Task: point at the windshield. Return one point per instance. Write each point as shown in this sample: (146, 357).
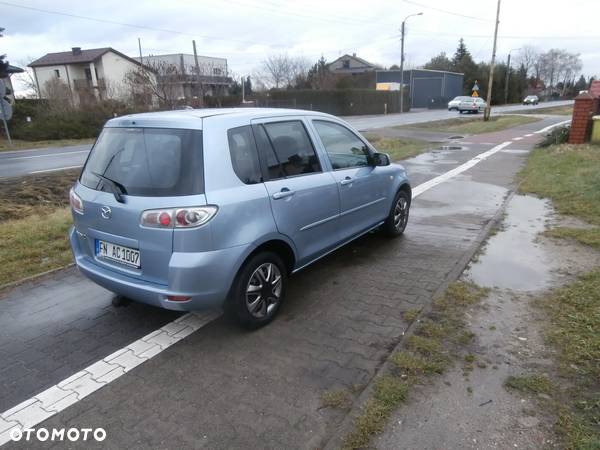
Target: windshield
(152, 162)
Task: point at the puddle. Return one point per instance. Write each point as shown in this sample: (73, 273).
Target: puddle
(512, 259)
(450, 147)
(477, 199)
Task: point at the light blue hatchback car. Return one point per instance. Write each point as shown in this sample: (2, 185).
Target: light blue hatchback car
(215, 208)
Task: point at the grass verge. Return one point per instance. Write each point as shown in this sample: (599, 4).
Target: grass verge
(23, 145)
(474, 125)
(566, 110)
(21, 197)
(34, 220)
(569, 175)
(427, 352)
(398, 148)
(536, 384)
(34, 244)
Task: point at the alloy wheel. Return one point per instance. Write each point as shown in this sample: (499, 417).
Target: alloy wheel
(263, 292)
(400, 213)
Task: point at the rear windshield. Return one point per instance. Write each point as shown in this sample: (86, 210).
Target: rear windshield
(151, 162)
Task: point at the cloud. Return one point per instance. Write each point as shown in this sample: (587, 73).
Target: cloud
(246, 31)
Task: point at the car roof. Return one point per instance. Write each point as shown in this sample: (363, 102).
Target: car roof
(189, 116)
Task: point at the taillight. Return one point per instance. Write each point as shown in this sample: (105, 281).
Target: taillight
(75, 202)
(178, 217)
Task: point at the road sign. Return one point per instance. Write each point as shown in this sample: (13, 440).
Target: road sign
(2, 88)
(6, 110)
(475, 90)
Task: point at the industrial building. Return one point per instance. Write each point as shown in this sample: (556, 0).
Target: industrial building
(427, 88)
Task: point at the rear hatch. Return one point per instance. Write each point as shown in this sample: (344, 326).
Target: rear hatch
(131, 171)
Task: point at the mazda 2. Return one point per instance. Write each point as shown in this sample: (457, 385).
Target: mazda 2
(217, 207)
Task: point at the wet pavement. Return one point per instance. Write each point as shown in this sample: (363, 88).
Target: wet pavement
(472, 408)
(225, 388)
(514, 258)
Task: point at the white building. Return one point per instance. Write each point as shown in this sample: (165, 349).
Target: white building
(187, 80)
(88, 74)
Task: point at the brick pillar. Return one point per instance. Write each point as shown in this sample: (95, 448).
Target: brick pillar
(581, 124)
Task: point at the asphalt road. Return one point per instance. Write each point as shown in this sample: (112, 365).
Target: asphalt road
(221, 387)
(24, 162)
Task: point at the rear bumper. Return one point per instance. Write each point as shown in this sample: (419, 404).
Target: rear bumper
(205, 277)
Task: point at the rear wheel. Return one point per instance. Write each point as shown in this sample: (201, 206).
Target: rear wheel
(258, 291)
(395, 224)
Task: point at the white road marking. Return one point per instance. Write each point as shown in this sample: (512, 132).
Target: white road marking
(418, 190)
(548, 128)
(55, 399)
(56, 170)
(47, 156)
(517, 139)
(529, 135)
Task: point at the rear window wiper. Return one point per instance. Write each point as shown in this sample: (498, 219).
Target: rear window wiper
(117, 188)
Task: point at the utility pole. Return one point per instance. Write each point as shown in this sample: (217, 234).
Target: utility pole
(488, 108)
(508, 75)
(402, 60)
(140, 48)
(197, 84)
(243, 90)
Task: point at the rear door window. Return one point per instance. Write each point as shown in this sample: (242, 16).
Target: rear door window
(292, 150)
(153, 162)
(244, 157)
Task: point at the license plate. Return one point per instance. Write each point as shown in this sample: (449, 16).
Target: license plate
(114, 252)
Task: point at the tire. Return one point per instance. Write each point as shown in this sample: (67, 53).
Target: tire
(248, 304)
(394, 225)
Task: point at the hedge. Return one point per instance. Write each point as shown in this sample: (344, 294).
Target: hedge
(340, 102)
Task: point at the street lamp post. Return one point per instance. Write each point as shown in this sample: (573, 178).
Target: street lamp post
(508, 74)
(402, 61)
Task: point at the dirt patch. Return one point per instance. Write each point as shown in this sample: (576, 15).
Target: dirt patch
(21, 197)
(497, 395)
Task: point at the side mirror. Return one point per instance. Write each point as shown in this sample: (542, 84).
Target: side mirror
(381, 159)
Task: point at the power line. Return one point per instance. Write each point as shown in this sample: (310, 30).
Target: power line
(272, 8)
(131, 25)
(445, 11)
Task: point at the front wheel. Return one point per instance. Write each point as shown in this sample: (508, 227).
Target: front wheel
(397, 219)
(258, 291)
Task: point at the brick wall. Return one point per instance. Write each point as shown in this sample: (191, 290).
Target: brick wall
(581, 124)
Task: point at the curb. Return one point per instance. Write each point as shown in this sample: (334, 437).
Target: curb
(336, 440)
(14, 284)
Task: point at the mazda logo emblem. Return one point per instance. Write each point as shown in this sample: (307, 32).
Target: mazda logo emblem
(106, 212)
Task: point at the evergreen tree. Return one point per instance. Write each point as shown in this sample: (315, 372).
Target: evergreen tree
(247, 86)
(3, 62)
(462, 62)
(581, 84)
(461, 53)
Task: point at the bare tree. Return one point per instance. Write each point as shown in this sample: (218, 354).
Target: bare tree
(27, 78)
(529, 57)
(559, 65)
(156, 79)
(282, 70)
(59, 94)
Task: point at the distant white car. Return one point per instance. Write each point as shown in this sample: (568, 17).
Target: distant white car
(472, 104)
(453, 104)
(531, 100)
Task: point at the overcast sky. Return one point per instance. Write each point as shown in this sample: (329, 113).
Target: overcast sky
(246, 31)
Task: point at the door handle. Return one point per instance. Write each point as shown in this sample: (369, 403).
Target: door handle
(346, 181)
(285, 192)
